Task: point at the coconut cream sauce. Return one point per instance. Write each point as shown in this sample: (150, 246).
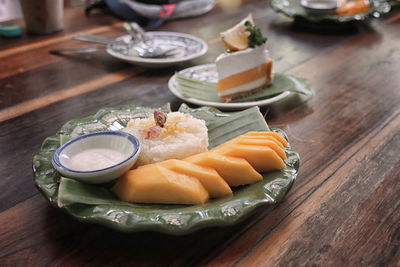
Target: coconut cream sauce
(95, 159)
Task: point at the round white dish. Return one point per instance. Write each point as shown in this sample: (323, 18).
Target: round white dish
(319, 6)
(109, 143)
(187, 47)
(208, 73)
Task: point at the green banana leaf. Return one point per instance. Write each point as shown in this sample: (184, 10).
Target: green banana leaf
(97, 204)
(207, 91)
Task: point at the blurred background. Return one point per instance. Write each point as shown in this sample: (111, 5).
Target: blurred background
(10, 9)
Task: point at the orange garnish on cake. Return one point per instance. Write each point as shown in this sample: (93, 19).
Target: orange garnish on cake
(237, 37)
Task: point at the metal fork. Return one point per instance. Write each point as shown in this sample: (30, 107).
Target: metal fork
(143, 44)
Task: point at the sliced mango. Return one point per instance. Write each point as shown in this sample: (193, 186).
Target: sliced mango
(259, 142)
(157, 184)
(263, 142)
(210, 174)
(260, 158)
(274, 134)
(235, 171)
(208, 177)
(270, 138)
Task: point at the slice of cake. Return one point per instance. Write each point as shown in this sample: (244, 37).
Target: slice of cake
(246, 67)
(243, 72)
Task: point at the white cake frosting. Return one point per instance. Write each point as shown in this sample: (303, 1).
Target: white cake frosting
(231, 63)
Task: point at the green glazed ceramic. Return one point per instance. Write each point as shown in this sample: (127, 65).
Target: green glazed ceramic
(97, 204)
(293, 8)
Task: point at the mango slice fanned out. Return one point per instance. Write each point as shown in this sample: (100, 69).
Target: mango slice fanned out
(208, 177)
(261, 158)
(210, 174)
(235, 171)
(279, 137)
(256, 142)
(156, 184)
(260, 138)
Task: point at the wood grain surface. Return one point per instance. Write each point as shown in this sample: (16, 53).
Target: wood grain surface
(344, 208)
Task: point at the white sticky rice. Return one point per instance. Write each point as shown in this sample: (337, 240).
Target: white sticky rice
(181, 136)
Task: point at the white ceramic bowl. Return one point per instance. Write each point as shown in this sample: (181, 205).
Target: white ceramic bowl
(319, 7)
(97, 157)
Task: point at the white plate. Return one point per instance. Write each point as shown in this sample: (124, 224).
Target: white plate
(209, 73)
(187, 48)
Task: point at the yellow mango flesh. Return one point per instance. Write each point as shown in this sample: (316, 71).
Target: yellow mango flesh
(260, 142)
(260, 138)
(157, 184)
(280, 138)
(235, 171)
(208, 177)
(260, 158)
(263, 142)
(210, 174)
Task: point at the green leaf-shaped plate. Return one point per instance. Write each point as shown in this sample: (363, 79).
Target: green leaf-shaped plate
(96, 204)
(293, 8)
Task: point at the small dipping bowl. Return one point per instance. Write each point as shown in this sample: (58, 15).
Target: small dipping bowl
(318, 7)
(97, 157)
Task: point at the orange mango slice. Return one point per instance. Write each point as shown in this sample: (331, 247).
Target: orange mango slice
(252, 142)
(235, 171)
(260, 158)
(270, 138)
(279, 137)
(208, 177)
(157, 184)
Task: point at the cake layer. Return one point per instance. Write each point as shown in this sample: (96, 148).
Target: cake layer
(232, 63)
(244, 87)
(246, 84)
(245, 77)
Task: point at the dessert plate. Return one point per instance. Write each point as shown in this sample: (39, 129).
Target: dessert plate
(294, 9)
(96, 204)
(282, 87)
(186, 47)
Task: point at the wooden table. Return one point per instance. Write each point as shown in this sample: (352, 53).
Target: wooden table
(344, 208)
